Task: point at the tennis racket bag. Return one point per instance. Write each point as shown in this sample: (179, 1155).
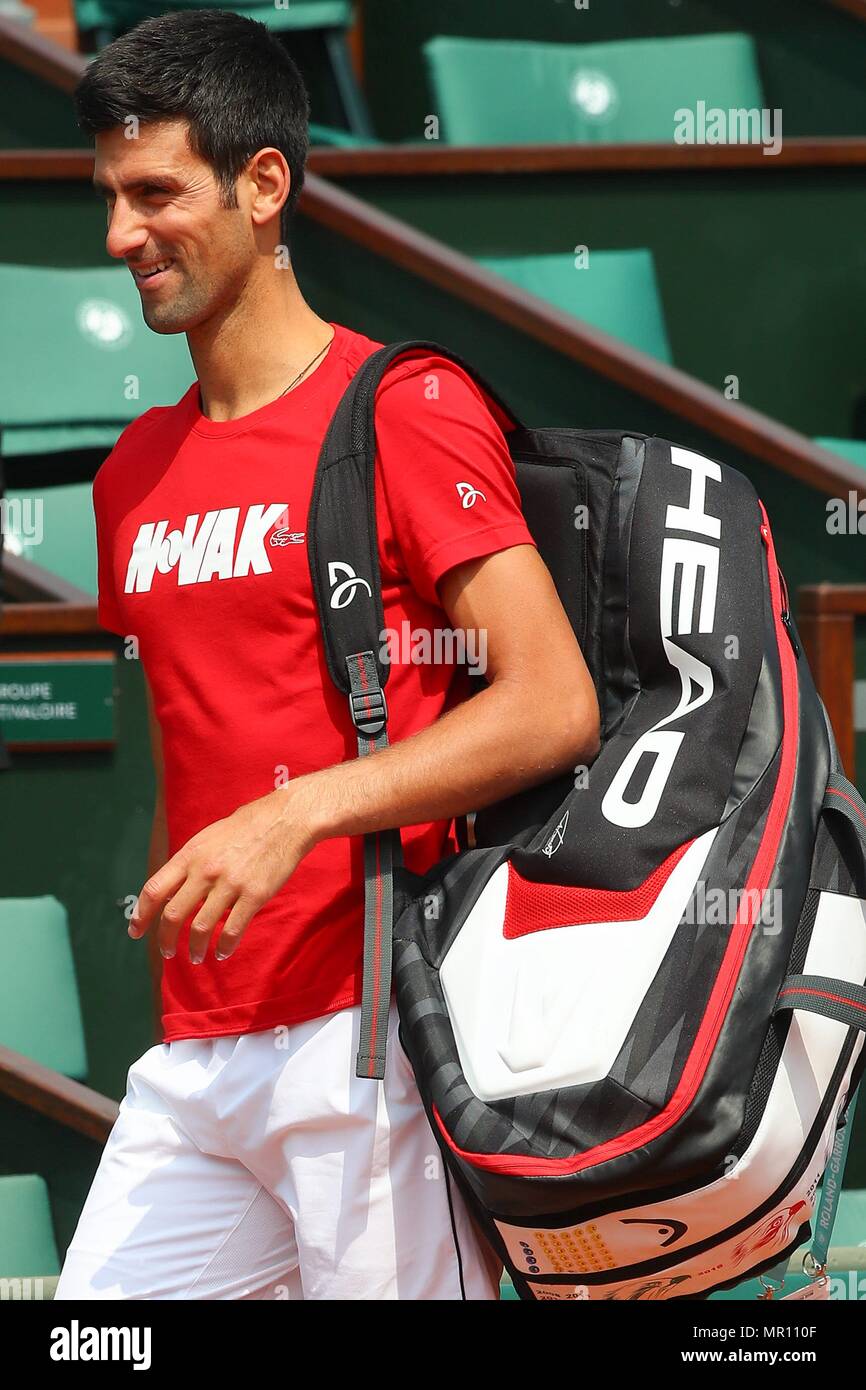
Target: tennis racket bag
(634, 1006)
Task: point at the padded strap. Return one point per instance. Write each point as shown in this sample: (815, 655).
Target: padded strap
(342, 538)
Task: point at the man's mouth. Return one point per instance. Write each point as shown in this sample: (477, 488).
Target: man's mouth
(153, 273)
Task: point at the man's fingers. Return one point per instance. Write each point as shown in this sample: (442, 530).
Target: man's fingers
(236, 924)
(199, 902)
(205, 921)
(154, 895)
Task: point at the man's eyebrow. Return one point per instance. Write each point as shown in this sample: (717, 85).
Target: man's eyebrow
(155, 180)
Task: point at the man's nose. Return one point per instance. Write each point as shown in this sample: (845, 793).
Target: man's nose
(126, 232)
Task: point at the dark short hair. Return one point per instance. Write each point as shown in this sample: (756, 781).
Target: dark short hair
(229, 77)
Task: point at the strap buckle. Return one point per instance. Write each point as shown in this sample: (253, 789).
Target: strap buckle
(369, 710)
(367, 705)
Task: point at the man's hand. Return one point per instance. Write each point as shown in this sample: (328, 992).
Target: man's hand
(235, 865)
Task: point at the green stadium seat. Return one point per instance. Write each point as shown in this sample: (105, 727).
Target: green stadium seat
(852, 449)
(84, 362)
(66, 544)
(27, 1246)
(40, 1012)
(617, 291)
(325, 22)
(608, 93)
(118, 16)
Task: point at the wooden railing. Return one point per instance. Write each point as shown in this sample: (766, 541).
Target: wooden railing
(431, 160)
(39, 56)
(43, 603)
(826, 617)
(50, 1093)
(434, 161)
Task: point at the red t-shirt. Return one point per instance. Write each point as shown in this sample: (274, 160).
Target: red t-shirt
(201, 529)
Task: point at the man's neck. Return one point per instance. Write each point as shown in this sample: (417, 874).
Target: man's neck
(251, 355)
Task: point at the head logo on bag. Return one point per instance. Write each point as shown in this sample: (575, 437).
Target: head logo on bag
(687, 595)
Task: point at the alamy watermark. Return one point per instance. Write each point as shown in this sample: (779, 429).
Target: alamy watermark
(722, 907)
(83, 1343)
(846, 516)
(21, 522)
(440, 646)
(713, 125)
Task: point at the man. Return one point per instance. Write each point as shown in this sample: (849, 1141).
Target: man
(248, 1160)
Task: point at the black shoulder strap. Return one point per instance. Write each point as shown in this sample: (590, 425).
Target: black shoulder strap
(342, 542)
(343, 552)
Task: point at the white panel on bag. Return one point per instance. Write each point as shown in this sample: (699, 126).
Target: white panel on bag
(553, 1008)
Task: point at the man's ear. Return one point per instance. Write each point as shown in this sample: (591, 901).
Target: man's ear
(271, 182)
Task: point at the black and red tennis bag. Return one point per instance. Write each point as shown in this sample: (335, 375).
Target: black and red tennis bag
(635, 1005)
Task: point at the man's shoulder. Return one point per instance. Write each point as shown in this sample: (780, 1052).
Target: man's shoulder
(422, 369)
(417, 364)
(438, 378)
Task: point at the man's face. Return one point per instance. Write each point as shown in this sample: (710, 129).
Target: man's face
(189, 255)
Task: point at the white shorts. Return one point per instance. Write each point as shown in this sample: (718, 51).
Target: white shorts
(259, 1166)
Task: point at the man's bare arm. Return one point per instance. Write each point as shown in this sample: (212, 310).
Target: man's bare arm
(537, 718)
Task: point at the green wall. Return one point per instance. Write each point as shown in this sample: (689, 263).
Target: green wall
(34, 115)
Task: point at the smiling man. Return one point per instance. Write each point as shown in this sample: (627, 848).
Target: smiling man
(248, 1160)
